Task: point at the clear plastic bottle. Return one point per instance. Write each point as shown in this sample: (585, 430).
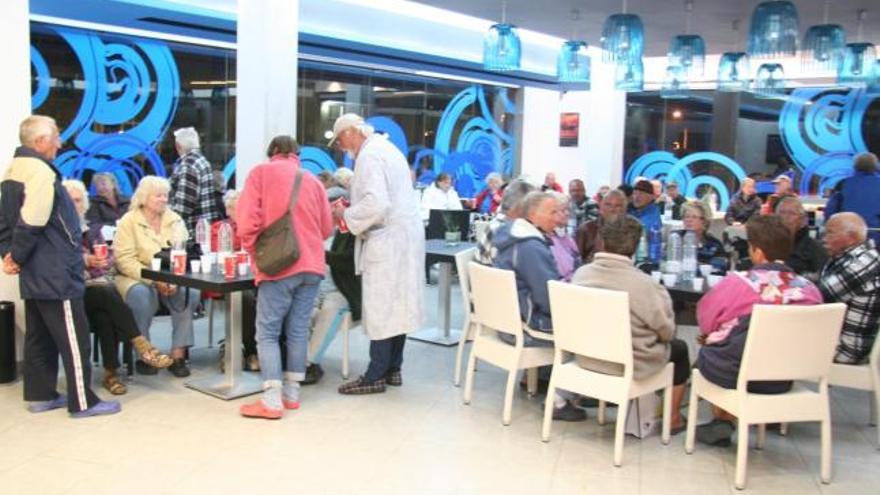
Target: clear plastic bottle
(689, 257)
(203, 234)
(673, 253)
(224, 238)
(642, 252)
(655, 242)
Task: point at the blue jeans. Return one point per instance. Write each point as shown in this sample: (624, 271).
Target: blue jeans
(286, 305)
(144, 301)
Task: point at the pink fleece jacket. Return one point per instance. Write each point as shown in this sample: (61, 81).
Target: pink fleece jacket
(266, 197)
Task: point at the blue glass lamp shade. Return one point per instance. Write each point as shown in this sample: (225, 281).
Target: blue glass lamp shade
(501, 48)
(823, 47)
(774, 30)
(688, 51)
(675, 84)
(623, 38)
(859, 65)
(734, 69)
(629, 76)
(573, 63)
(769, 81)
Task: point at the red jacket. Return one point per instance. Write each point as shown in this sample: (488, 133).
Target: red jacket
(266, 197)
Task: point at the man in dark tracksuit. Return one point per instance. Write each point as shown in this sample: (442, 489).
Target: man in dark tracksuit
(40, 240)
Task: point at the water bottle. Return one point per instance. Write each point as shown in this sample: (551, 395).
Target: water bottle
(655, 242)
(203, 234)
(689, 257)
(224, 238)
(642, 252)
(572, 225)
(673, 253)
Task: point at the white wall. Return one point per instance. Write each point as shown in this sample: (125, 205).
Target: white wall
(598, 158)
(15, 100)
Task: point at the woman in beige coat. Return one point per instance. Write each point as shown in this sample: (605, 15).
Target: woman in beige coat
(141, 233)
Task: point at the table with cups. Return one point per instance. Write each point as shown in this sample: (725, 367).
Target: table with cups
(687, 290)
(228, 274)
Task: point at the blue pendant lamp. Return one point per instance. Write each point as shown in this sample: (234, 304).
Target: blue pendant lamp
(623, 42)
(823, 45)
(675, 84)
(573, 63)
(774, 30)
(734, 70)
(502, 49)
(859, 61)
(769, 81)
(687, 51)
(629, 76)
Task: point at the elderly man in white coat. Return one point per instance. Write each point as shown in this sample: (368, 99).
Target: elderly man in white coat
(390, 249)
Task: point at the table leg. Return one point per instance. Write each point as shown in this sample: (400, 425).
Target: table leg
(443, 335)
(233, 383)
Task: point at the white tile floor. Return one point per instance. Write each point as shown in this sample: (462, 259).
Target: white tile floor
(415, 439)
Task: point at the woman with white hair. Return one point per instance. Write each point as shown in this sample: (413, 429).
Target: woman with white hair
(108, 204)
(493, 192)
(565, 251)
(146, 229)
(109, 317)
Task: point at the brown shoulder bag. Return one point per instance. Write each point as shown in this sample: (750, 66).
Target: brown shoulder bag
(277, 247)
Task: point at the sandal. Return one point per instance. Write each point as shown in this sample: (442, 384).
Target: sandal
(113, 385)
(157, 360)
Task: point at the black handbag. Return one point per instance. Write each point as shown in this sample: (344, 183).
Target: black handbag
(277, 247)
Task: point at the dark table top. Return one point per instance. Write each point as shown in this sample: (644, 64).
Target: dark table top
(214, 282)
(436, 250)
(684, 292)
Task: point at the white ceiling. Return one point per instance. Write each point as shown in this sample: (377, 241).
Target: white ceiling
(663, 19)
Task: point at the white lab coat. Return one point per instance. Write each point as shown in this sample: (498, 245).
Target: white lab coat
(390, 246)
(434, 198)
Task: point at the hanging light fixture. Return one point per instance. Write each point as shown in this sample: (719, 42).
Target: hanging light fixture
(823, 45)
(774, 30)
(629, 76)
(675, 84)
(769, 81)
(688, 51)
(859, 61)
(623, 37)
(734, 68)
(573, 62)
(502, 49)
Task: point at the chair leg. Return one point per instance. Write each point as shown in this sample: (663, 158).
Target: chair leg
(532, 382)
(742, 455)
(667, 414)
(96, 348)
(826, 448)
(508, 398)
(762, 434)
(619, 430)
(469, 375)
(600, 418)
(548, 410)
(691, 430)
(345, 332)
(456, 380)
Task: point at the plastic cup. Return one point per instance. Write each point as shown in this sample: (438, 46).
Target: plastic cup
(100, 250)
(156, 264)
(243, 269)
(669, 279)
(178, 261)
(229, 266)
(698, 284)
(657, 276)
(242, 257)
(706, 270)
(195, 266)
(714, 279)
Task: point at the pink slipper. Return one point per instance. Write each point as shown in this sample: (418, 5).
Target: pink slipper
(290, 404)
(259, 410)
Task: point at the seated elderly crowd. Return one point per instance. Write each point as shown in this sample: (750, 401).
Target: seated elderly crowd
(788, 266)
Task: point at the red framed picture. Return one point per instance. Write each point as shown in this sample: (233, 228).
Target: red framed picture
(569, 129)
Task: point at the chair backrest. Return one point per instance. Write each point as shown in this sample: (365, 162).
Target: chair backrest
(462, 258)
(790, 342)
(496, 304)
(605, 335)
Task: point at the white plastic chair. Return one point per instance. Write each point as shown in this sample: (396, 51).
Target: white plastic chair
(496, 310)
(783, 343)
(864, 376)
(462, 259)
(606, 336)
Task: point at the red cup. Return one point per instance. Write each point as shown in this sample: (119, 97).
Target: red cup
(229, 264)
(242, 257)
(178, 262)
(100, 250)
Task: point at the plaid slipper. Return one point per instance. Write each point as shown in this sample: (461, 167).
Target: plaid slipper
(394, 378)
(362, 387)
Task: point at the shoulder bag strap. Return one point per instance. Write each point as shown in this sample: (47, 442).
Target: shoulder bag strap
(294, 193)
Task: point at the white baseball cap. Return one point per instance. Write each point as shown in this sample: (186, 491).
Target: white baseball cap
(344, 122)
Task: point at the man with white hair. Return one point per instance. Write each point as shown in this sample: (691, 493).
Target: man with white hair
(40, 238)
(852, 276)
(743, 204)
(858, 194)
(389, 250)
(194, 195)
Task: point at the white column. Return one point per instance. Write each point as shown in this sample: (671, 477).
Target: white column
(15, 100)
(266, 76)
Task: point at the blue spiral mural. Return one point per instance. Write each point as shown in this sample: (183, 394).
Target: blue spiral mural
(822, 132)
(137, 82)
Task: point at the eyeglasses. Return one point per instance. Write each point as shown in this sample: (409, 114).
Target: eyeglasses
(692, 217)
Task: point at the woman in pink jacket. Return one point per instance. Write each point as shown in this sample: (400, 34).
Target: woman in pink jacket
(286, 298)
